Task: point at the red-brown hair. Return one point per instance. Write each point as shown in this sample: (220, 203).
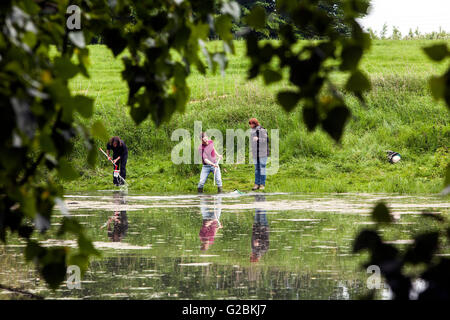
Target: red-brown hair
(253, 121)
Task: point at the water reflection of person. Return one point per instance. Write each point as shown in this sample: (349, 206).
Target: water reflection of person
(260, 231)
(117, 225)
(211, 211)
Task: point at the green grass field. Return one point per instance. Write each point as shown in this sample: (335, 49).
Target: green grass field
(400, 115)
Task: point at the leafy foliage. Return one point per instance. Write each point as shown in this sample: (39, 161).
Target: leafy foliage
(275, 19)
(421, 252)
(310, 67)
(39, 113)
(440, 86)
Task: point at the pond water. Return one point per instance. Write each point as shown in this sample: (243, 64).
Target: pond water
(229, 246)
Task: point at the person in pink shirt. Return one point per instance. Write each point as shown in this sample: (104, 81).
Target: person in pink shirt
(210, 159)
(211, 212)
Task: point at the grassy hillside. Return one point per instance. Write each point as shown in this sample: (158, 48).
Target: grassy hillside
(400, 115)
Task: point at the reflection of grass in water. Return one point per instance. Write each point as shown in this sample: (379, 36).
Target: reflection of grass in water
(15, 273)
(306, 263)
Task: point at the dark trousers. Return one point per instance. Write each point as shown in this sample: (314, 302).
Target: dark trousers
(122, 166)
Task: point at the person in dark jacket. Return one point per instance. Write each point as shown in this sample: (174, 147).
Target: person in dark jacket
(260, 152)
(120, 157)
(260, 231)
(117, 225)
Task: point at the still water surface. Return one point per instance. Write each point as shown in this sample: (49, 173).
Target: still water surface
(230, 246)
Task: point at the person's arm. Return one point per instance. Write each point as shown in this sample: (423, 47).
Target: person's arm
(108, 147)
(256, 134)
(210, 162)
(108, 227)
(106, 224)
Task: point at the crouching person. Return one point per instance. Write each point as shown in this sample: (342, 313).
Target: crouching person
(120, 157)
(210, 159)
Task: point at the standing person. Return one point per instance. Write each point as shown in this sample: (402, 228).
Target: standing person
(260, 152)
(210, 158)
(119, 221)
(260, 231)
(210, 221)
(120, 157)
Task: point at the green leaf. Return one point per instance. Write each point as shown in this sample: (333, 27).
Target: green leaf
(199, 31)
(288, 99)
(80, 260)
(84, 105)
(70, 225)
(66, 171)
(98, 130)
(257, 17)
(114, 40)
(86, 247)
(355, 8)
(310, 118)
(223, 26)
(437, 86)
(33, 250)
(59, 91)
(46, 143)
(437, 52)
(28, 202)
(233, 9)
(25, 231)
(139, 114)
(54, 268)
(64, 68)
(381, 213)
(92, 157)
(367, 239)
(271, 76)
(77, 38)
(335, 121)
(425, 246)
(358, 82)
(351, 54)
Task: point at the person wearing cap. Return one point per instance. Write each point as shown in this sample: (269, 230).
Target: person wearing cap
(210, 159)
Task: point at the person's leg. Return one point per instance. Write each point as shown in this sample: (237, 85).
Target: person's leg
(263, 162)
(218, 177)
(115, 181)
(203, 176)
(123, 168)
(257, 172)
(261, 217)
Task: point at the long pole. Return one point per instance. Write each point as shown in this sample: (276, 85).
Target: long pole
(215, 171)
(115, 165)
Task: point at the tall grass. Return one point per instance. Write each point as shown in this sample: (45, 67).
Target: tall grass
(400, 115)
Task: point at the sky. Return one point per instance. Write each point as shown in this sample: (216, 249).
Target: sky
(427, 15)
